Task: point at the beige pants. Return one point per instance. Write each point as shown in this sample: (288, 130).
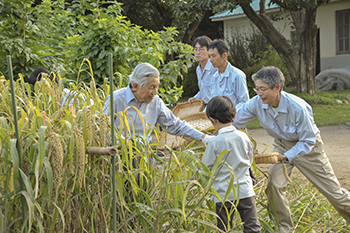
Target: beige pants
(317, 169)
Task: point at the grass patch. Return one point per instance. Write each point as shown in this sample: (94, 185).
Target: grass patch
(325, 108)
(331, 114)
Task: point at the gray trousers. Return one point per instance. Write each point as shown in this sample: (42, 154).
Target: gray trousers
(247, 210)
(316, 167)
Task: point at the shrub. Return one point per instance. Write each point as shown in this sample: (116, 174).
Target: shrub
(59, 36)
(190, 81)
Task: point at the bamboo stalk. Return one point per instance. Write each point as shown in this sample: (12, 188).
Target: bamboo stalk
(14, 107)
(114, 205)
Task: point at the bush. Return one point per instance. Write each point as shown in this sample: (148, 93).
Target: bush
(190, 81)
(60, 37)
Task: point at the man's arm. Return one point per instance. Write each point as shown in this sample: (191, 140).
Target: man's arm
(245, 114)
(241, 89)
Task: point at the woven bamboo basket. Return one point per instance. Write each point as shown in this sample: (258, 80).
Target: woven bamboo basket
(173, 141)
(200, 121)
(267, 158)
(185, 109)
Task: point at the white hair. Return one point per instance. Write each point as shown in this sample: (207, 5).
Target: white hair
(142, 73)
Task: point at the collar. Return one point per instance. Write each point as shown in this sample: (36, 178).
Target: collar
(129, 95)
(227, 129)
(282, 105)
(208, 66)
(226, 73)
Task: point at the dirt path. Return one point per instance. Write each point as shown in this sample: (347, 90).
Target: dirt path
(336, 145)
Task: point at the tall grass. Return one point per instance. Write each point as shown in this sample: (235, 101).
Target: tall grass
(67, 190)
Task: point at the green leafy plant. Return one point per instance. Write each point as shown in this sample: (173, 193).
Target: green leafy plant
(59, 36)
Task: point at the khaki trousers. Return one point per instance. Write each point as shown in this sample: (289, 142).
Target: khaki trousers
(317, 169)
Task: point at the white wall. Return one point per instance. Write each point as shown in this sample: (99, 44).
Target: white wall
(326, 22)
(244, 24)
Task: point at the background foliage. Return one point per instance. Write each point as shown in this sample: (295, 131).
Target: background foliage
(59, 36)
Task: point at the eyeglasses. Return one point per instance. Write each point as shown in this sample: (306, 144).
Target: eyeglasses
(261, 90)
(199, 50)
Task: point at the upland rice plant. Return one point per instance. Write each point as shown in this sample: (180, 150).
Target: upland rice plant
(157, 191)
(69, 191)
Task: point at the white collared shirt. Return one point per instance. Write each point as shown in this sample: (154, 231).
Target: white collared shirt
(205, 81)
(69, 97)
(239, 156)
(232, 83)
(293, 121)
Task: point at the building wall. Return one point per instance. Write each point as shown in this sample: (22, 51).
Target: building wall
(244, 25)
(326, 22)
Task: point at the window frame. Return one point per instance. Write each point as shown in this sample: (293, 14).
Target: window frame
(337, 32)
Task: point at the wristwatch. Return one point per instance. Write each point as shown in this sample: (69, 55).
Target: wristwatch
(285, 158)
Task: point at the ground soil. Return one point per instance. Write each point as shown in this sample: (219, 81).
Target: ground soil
(336, 140)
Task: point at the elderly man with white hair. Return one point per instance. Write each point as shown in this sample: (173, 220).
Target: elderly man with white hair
(140, 96)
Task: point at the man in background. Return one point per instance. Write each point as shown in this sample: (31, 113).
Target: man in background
(227, 80)
(205, 69)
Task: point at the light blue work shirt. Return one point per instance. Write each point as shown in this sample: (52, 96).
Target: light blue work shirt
(69, 97)
(106, 109)
(232, 83)
(239, 156)
(153, 112)
(205, 81)
(293, 121)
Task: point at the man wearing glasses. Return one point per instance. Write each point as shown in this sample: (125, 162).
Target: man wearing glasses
(205, 69)
(289, 120)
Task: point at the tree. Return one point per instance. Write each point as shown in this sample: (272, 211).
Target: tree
(301, 65)
(60, 35)
(154, 15)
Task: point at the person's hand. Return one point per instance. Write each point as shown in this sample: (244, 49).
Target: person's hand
(282, 157)
(191, 99)
(207, 138)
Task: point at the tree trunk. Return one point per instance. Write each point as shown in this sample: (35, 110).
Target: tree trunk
(306, 31)
(284, 49)
(190, 31)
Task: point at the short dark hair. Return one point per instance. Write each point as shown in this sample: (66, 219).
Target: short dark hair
(220, 45)
(37, 75)
(203, 41)
(222, 109)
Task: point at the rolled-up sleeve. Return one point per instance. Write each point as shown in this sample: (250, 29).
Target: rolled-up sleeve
(174, 125)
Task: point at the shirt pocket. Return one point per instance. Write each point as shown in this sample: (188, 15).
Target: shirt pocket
(291, 132)
(228, 91)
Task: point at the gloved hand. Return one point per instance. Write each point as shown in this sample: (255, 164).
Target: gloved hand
(207, 138)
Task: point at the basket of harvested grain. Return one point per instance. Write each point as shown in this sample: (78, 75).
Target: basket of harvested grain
(267, 158)
(173, 141)
(200, 121)
(185, 109)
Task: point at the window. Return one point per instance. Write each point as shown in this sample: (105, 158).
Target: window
(343, 36)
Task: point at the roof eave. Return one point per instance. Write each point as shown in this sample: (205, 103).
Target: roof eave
(242, 15)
